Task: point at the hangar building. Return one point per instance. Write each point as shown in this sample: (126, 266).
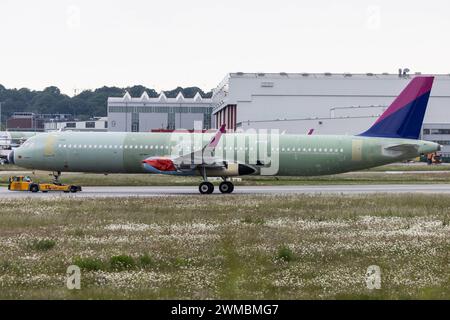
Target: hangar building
(140, 114)
(328, 103)
(97, 124)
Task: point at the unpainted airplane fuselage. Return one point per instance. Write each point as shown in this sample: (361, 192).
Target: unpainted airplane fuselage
(282, 155)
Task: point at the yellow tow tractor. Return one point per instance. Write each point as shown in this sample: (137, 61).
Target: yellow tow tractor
(25, 183)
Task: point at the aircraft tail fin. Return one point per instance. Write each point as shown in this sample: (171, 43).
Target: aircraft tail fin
(404, 117)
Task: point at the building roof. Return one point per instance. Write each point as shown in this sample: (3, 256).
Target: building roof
(347, 75)
(162, 98)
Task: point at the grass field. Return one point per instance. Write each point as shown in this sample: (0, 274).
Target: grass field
(363, 177)
(417, 166)
(268, 247)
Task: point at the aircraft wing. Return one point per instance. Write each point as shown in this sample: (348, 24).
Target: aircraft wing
(205, 154)
(200, 158)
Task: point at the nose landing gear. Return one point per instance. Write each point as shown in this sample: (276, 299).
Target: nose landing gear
(56, 176)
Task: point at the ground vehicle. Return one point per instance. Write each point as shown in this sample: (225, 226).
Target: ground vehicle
(433, 158)
(25, 183)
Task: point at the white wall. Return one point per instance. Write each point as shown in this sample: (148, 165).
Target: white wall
(328, 126)
(186, 120)
(299, 97)
(148, 121)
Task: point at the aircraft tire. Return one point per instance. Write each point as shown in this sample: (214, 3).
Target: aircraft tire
(226, 187)
(34, 188)
(206, 187)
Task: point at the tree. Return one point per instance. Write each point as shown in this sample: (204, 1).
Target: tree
(86, 104)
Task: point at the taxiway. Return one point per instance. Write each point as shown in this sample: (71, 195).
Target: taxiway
(132, 191)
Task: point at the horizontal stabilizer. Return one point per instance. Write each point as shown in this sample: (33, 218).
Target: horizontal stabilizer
(403, 149)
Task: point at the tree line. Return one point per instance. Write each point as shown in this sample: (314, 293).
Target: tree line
(85, 105)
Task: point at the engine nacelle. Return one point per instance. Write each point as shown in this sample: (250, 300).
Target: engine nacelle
(230, 170)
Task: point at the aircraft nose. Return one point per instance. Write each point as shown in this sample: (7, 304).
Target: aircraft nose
(11, 157)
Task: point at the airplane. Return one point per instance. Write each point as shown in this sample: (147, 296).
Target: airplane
(393, 137)
(13, 139)
(10, 140)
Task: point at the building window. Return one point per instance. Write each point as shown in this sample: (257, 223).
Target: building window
(426, 131)
(71, 125)
(171, 121)
(267, 84)
(439, 131)
(90, 124)
(443, 142)
(135, 122)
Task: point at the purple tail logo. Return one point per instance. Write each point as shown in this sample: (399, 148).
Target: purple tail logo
(404, 117)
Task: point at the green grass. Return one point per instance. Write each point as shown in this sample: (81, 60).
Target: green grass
(43, 245)
(226, 247)
(412, 167)
(285, 254)
(122, 262)
(10, 167)
(89, 264)
(145, 261)
(364, 177)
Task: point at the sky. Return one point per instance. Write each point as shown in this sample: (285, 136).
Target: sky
(85, 44)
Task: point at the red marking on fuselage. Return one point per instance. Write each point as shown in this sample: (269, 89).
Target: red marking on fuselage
(161, 164)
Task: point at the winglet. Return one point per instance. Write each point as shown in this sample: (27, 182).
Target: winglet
(215, 140)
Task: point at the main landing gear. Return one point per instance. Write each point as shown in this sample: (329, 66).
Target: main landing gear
(226, 187)
(207, 187)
